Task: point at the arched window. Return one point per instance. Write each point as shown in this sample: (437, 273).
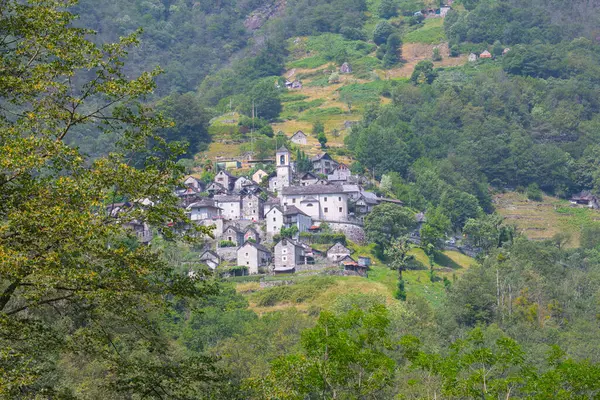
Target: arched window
(282, 159)
(309, 205)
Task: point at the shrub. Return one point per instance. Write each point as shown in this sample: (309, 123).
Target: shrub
(298, 293)
(534, 193)
(226, 243)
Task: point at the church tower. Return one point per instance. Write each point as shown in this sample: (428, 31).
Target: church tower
(284, 171)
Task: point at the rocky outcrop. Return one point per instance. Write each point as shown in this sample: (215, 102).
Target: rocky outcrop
(261, 15)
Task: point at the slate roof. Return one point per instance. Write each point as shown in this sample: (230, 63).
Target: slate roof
(227, 198)
(283, 149)
(203, 204)
(312, 189)
(209, 252)
(309, 199)
(257, 246)
(293, 210)
(320, 157)
(309, 175)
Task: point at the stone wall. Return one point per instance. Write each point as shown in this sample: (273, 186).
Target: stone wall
(353, 232)
(227, 253)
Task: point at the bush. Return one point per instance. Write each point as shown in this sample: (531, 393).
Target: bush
(226, 243)
(534, 193)
(324, 238)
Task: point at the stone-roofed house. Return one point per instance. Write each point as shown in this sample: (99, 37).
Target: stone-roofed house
(287, 256)
(203, 209)
(472, 57)
(258, 176)
(346, 68)
(485, 54)
(299, 138)
(308, 178)
(225, 179)
(240, 182)
(253, 256)
(293, 216)
(270, 203)
(216, 188)
(337, 252)
(320, 202)
(211, 259)
(274, 220)
(190, 181)
(341, 174)
(230, 205)
(324, 164)
(252, 207)
(233, 234)
(587, 199)
(251, 233)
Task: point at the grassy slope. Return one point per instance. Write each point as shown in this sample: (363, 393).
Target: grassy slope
(381, 281)
(542, 220)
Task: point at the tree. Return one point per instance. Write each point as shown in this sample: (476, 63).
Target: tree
(387, 9)
(381, 33)
(318, 128)
(423, 73)
(393, 50)
(485, 232)
(303, 163)
(437, 56)
(399, 261)
(74, 281)
(265, 98)
(343, 356)
(322, 139)
(190, 121)
(436, 226)
(388, 221)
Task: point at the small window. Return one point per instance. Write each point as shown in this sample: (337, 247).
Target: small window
(283, 251)
(340, 209)
(246, 254)
(284, 258)
(247, 262)
(325, 199)
(326, 209)
(274, 219)
(339, 199)
(230, 239)
(294, 201)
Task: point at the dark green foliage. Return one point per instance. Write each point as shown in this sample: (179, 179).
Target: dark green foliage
(387, 222)
(423, 73)
(590, 236)
(265, 97)
(322, 139)
(393, 50)
(303, 163)
(226, 243)
(387, 9)
(318, 128)
(324, 238)
(382, 31)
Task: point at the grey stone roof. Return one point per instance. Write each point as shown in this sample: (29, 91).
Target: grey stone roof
(312, 189)
(257, 246)
(227, 198)
(203, 204)
(309, 199)
(283, 149)
(293, 210)
(320, 157)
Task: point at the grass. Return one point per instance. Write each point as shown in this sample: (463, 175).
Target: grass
(291, 97)
(320, 113)
(362, 93)
(432, 32)
(542, 220)
(309, 62)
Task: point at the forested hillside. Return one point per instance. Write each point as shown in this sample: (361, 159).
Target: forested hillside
(467, 127)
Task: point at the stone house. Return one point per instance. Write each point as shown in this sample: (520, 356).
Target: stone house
(337, 252)
(472, 57)
(251, 233)
(233, 234)
(270, 203)
(320, 202)
(324, 164)
(299, 138)
(274, 220)
(230, 205)
(216, 188)
(485, 54)
(341, 174)
(346, 68)
(292, 216)
(211, 259)
(287, 256)
(258, 176)
(192, 182)
(253, 256)
(142, 230)
(252, 207)
(240, 182)
(204, 209)
(225, 179)
(586, 199)
(308, 178)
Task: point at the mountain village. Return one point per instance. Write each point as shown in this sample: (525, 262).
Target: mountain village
(265, 223)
